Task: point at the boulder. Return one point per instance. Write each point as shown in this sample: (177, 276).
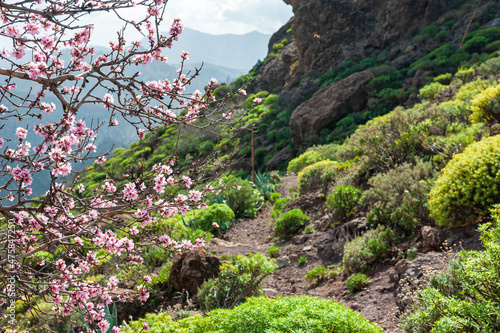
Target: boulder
(431, 237)
(332, 243)
(412, 274)
(283, 261)
(329, 105)
(279, 159)
(190, 269)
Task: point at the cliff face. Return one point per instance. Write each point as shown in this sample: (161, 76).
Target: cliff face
(403, 43)
(327, 33)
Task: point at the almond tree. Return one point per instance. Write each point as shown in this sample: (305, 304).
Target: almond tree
(82, 232)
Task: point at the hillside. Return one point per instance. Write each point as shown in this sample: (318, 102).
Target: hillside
(374, 131)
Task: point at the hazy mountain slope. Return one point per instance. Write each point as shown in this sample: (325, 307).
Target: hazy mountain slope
(239, 52)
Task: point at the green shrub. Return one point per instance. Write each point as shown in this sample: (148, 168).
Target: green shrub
(275, 196)
(345, 198)
(367, 249)
(203, 219)
(432, 90)
(490, 67)
(309, 229)
(465, 298)
(244, 202)
(475, 44)
(398, 196)
(303, 160)
(279, 205)
(290, 223)
(302, 260)
(468, 185)
(317, 274)
(471, 89)
(273, 250)
(465, 74)
(357, 282)
(260, 314)
(240, 277)
(443, 78)
(221, 91)
(310, 176)
(486, 105)
(411, 253)
(326, 151)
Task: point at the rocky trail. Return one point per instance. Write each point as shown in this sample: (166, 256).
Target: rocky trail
(376, 303)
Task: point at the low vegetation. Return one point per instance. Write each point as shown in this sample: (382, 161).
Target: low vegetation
(259, 314)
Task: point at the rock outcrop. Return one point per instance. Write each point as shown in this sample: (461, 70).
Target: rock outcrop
(329, 105)
(328, 33)
(190, 269)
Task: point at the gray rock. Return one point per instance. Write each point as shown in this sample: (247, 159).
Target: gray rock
(280, 158)
(329, 105)
(283, 261)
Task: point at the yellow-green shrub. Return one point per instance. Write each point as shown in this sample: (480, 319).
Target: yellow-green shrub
(239, 278)
(310, 176)
(471, 89)
(260, 314)
(468, 184)
(485, 106)
(367, 249)
(303, 160)
(432, 90)
(290, 223)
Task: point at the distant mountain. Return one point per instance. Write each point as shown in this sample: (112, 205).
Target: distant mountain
(239, 52)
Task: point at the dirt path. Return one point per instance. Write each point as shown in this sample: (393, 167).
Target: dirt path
(375, 303)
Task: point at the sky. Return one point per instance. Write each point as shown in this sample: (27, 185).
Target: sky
(210, 16)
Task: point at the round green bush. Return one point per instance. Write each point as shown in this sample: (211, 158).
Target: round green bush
(203, 219)
(260, 315)
(239, 278)
(290, 223)
(468, 185)
(303, 160)
(345, 198)
(357, 282)
(367, 249)
(244, 201)
(311, 176)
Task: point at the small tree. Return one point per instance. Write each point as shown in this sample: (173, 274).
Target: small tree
(82, 233)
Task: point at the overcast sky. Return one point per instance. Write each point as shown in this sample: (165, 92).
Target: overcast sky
(210, 16)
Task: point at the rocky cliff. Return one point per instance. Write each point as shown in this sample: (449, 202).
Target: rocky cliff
(324, 35)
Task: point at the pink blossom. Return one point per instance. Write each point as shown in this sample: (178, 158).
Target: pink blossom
(187, 180)
(103, 325)
(21, 133)
(242, 91)
(145, 326)
(215, 225)
(100, 159)
(108, 99)
(184, 55)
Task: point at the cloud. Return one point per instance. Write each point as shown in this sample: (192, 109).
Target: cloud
(209, 16)
(230, 16)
